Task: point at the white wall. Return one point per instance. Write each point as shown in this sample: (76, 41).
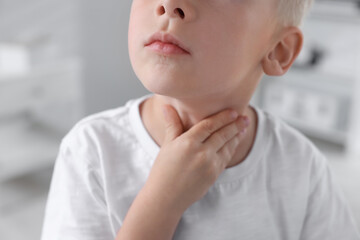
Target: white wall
(108, 80)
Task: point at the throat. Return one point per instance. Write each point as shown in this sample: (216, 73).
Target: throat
(154, 122)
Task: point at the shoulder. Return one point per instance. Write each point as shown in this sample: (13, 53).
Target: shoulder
(100, 129)
(288, 145)
(283, 136)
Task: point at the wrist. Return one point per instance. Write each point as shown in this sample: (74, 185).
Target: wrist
(164, 200)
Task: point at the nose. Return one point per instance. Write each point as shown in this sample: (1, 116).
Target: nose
(181, 9)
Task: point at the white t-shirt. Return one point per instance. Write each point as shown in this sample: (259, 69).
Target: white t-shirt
(282, 191)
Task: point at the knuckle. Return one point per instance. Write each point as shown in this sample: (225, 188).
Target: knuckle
(208, 126)
(216, 165)
(187, 144)
(212, 172)
(223, 165)
(227, 153)
(237, 139)
(203, 157)
(207, 162)
(235, 142)
(224, 136)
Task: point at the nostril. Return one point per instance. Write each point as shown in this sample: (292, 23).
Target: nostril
(180, 12)
(161, 10)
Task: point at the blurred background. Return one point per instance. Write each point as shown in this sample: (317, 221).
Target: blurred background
(62, 60)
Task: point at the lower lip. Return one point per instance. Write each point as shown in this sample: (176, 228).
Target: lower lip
(166, 48)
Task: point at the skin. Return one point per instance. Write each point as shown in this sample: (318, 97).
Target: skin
(190, 113)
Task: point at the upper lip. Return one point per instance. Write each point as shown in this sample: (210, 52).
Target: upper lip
(166, 38)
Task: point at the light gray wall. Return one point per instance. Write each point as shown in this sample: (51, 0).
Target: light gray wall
(108, 78)
(48, 28)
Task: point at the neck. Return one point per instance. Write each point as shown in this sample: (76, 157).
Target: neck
(198, 107)
(191, 111)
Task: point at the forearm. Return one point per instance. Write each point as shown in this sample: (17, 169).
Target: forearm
(149, 217)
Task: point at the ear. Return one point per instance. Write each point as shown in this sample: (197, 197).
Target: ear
(280, 58)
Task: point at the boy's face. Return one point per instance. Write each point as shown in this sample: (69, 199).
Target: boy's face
(226, 41)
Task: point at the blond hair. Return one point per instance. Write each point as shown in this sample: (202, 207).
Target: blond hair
(292, 12)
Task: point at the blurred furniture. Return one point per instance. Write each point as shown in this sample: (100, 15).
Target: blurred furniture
(36, 110)
(79, 65)
(320, 95)
(38, 106)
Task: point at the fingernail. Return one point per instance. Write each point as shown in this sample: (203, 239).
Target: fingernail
(243, 131)
(234, 114)
(246, 121)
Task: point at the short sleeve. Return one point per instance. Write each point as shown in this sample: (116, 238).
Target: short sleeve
(76, 207)
(328, 215)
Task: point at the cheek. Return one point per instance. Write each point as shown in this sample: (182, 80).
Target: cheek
(132, 33)
(140, 23)
(223, 50)
(136, 37)
(221, 63)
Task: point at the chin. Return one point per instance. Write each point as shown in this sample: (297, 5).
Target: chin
(162, 89)
(166, 85)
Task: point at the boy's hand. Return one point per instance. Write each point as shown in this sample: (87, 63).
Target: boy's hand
(189, 163)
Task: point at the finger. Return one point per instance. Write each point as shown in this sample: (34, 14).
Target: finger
(228, 150)
(204, 129)
(218, 139)
(174, 127)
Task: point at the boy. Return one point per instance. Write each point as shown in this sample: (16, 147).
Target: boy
(194, 160)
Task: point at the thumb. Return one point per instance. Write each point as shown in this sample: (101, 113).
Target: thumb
(174, 127)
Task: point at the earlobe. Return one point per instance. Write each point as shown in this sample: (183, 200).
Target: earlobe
(280, 58)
